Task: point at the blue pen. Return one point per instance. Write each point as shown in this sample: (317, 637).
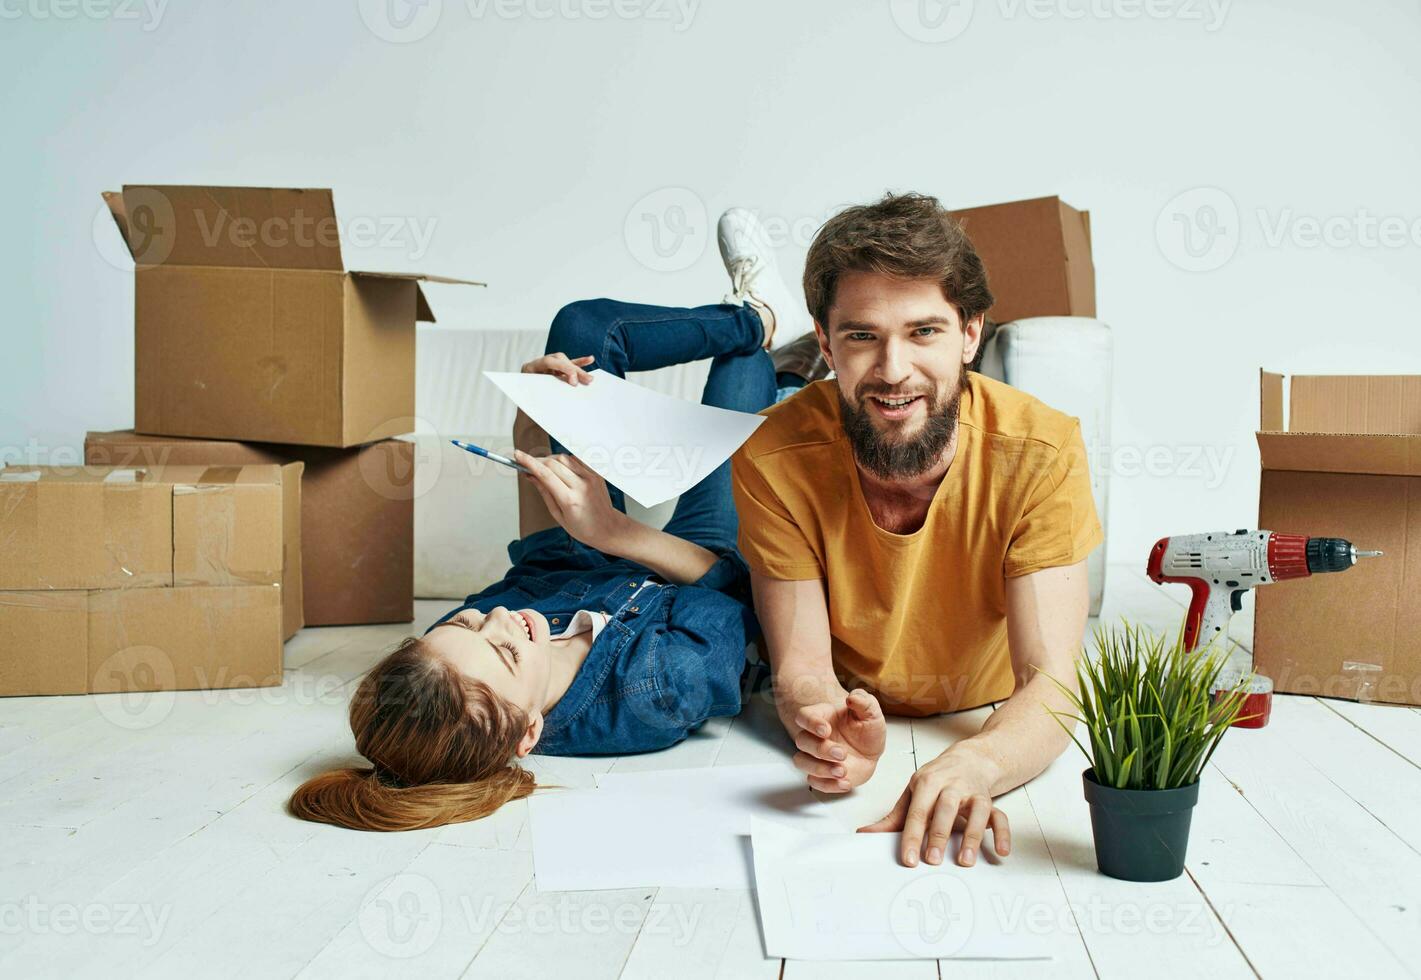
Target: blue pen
(480, 451)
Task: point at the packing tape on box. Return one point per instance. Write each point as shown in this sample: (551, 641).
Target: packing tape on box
(213, 476)
(209, 517)
(125, 531)
(21, 476)
(34, 599)
(1364, 678)
(220, 474)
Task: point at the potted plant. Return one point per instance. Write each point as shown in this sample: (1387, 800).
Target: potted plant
(1153, 723)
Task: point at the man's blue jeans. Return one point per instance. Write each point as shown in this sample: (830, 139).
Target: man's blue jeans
(634, 337)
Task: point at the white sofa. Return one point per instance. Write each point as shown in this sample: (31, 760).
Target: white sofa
(466, 509)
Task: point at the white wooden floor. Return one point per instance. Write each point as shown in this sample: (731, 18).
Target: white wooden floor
(148, 837)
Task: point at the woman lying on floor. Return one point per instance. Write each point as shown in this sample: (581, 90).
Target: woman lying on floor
(605, 637)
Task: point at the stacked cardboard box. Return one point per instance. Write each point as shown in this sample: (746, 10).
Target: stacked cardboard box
(357, 515)
(257, 356)
(247, 326)
(254, 344)
(1037, 255)
(1346, 464)
(161, 578)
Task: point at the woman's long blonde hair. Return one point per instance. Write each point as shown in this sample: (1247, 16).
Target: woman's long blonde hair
(442, 747)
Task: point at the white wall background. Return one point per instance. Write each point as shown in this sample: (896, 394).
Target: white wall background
(531, 132)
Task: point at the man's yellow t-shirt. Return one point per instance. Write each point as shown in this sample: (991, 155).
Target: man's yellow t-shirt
(920, 618)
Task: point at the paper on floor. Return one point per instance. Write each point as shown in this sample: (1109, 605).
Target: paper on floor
(846, 897)
(652, 446)
(677, 828)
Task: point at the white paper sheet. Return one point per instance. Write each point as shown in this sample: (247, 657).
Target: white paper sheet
(846, 897)
(652, 446)
(678, 828)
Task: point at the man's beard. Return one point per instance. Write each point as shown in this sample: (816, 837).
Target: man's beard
(890, 458)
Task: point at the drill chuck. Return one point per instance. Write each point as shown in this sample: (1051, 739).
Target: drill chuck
(1333, 555)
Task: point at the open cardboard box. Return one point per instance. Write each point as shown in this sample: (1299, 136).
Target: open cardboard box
(1037, 255)
(247, 325)
(162, 578)
(357, 515)
(1346, 464)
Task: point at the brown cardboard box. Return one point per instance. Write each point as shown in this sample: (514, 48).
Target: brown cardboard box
(147, 578)
(247, 326)
(1347, 465)
(126, 640)
(357, 516)
(153, 526)
(1037, 255)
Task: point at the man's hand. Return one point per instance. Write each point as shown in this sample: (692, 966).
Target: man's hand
(953, 792)
(839, 743)
(560, 365)
(577, 499)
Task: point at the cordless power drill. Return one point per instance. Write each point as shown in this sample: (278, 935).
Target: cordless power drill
(1220, 567)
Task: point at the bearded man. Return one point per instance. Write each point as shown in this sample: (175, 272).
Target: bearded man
(916, 532)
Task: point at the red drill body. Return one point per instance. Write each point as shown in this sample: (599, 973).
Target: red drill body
(1220, 567)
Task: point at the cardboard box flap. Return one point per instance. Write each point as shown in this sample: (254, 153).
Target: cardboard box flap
(417, 277)
(236, 227)
(1323, 452)
(1270, 402)
(28, 473)
(119, 213)
(258, 474)
(196, 476)
(1381, 404)
(423, 313)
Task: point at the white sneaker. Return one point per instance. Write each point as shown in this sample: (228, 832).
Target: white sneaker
(755, 276)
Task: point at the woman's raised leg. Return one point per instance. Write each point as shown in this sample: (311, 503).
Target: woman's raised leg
(636, 337)
(705, 514)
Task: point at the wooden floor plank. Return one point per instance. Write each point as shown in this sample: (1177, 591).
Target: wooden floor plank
(853, 970)
(700, 934)
(1305, 855)
(1395, 726)
(1388, 787)
(932, 737)
(565, 934)
(1256, 882)
(1369, 868)
(429, 920)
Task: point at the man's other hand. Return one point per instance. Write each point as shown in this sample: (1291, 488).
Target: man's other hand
(952, 792)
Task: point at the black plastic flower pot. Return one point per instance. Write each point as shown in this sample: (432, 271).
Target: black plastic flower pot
(1140, 834)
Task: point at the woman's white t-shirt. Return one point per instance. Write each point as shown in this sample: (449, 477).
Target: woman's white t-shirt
(582, 621)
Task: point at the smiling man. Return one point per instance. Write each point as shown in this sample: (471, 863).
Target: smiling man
(916, 532)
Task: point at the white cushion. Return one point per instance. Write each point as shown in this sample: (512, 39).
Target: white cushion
(1067, 362)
